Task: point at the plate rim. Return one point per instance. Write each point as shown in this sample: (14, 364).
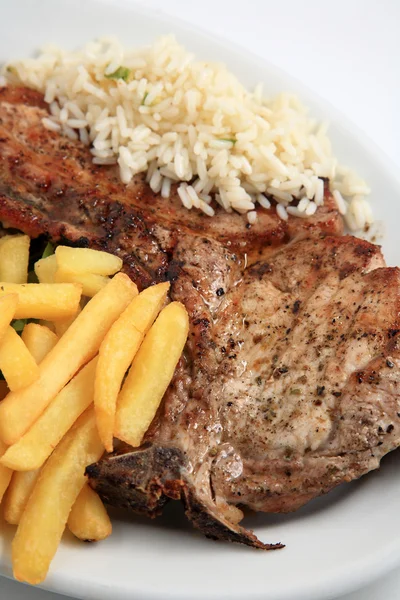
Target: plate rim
(361, 573)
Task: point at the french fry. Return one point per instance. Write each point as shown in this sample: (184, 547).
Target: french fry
(14, 258)
(86, 260)
(151, 372)
(16, 362)
(88, 519)
(45, 269)
(50, 324)
(5, 473)
(117, 352)
(4, 238)
(39, 340)
(19, 410)
(59, 484)
(90, 282)
(8, 306)
(49, 301)
(16, 498)
(33, 448)
(62, 326)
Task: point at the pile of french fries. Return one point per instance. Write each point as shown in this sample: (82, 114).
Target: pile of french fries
(91, 366)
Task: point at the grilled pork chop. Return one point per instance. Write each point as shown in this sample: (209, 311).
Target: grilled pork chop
(289, 387)
(289, 381)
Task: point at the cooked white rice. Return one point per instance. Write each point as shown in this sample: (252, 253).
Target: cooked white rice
(159, 111)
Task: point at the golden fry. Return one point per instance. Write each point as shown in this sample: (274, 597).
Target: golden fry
(5, 238)
(117, 352)
(151, 372)
(19, 410)
(59, 484)
(16, 362)
(14, 258)
(49, 301)
(39, 340)
(86, 260)
(50, 324)
(8, 306)
(5, 473)
(88, 519)
(33, 448)
(19, 490)
(46, 268)
(90, 282)
(62, 326)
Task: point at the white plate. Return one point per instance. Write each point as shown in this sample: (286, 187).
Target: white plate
(335, 544)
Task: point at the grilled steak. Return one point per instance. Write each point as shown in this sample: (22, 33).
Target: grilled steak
(289, 381)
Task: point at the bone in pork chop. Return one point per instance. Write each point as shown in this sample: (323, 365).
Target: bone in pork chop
(288, 384)
(290, 388)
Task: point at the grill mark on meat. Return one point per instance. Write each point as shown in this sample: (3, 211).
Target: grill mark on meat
(244, 421)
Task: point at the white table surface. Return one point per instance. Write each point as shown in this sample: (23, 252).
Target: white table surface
(348, 51)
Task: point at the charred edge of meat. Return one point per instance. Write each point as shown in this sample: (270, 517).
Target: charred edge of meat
(215, 527)
(145, 479)
(142, 480)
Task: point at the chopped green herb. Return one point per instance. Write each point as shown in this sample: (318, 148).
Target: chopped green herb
(144, 99)
(48, 251)
(19, 324)
(231, 140)
(120, 73)
(295, 391)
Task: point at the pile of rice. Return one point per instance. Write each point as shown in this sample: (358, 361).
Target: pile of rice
(159, 111)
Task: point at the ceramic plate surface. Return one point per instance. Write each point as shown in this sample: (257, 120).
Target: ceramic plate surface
(333, 545)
